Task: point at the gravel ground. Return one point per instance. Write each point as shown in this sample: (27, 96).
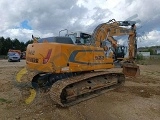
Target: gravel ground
(138, 99)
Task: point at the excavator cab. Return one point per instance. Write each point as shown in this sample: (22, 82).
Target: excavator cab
(80, 38)
(120, 52)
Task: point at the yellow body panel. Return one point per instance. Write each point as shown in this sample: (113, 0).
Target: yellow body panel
(66, 58)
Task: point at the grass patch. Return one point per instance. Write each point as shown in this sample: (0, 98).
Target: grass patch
(2, 100)
(152, 60)
(148, 62)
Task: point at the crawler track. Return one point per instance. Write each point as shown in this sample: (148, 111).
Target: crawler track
(70, 91)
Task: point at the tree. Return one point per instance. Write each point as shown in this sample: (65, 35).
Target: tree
(151, 51)
(16, 44)
(6, 44)
(1, 44)
(22, 46)
(28, 42)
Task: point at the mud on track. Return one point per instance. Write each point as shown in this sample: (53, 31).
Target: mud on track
(138, 99)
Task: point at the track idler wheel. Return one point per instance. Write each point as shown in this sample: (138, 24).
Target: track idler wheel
(42, 80)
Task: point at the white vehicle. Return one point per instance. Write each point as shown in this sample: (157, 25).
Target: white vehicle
(13, 56)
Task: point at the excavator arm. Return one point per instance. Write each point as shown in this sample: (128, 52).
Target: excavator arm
(106, 31)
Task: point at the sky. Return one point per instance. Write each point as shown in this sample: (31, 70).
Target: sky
(45, 18)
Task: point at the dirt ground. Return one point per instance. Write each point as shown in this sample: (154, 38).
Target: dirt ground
(138, 99)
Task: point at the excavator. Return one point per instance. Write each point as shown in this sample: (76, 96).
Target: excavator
(74, 68)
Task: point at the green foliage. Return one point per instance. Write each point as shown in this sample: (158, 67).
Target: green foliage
(1, 43)
(140, 57)
(152, 60)
(6, 44)
(4, 100)
(150, 50)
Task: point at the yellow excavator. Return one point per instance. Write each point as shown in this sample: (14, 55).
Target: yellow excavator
(75, 67)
